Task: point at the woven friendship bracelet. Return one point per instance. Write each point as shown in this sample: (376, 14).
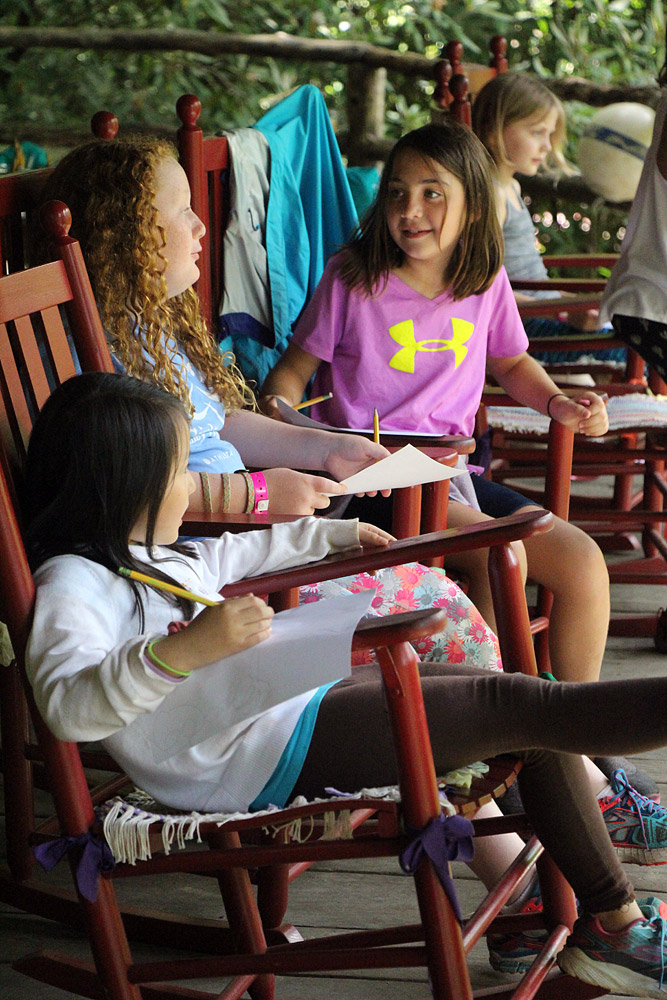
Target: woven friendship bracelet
(550, 400)
(154, 658)
(226, 492)
(250, 503)
(206, 492)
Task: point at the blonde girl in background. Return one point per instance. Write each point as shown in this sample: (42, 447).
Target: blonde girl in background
(523, 126)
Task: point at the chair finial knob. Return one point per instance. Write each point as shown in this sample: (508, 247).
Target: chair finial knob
(454, 52)
(188, 109)
(498, 47)
(104, 125)
(56, 219)
(460, 106)
(442, 74)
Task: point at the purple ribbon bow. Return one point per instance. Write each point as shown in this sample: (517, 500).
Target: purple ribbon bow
(96, 857)
(443, 839)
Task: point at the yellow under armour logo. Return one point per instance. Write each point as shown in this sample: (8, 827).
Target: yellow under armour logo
(404, 334)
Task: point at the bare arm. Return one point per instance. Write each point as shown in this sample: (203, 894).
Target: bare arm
(527, 382)
(279, 449)
(289, 378)
(501, 204)
(266, 443)
(290, 492)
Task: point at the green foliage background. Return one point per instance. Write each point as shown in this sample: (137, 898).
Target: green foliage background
(607, 41)
(620, 40)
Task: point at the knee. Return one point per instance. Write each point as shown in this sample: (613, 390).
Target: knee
(588, 559)
(583, 570)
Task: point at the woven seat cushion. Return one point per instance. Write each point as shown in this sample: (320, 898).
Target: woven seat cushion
(128, 822)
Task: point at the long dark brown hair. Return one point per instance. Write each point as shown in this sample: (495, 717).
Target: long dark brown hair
(367, 259)
(102, 452)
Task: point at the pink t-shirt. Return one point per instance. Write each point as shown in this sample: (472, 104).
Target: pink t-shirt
(420, 361)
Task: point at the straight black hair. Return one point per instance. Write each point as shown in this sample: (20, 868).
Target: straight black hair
(102, 452)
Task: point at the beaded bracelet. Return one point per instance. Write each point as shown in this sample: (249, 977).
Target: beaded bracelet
(160, 663)
(550, 400)
(226, 492)
(250, 502)
(206, 492)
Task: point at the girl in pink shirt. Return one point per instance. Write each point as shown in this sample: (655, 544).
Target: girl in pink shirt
(409, 318)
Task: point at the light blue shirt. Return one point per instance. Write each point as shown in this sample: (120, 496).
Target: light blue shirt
(208, 451)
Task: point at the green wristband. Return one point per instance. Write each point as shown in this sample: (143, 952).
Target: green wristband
(160, 663)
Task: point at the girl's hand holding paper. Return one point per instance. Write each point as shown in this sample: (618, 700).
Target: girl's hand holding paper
(406, 467)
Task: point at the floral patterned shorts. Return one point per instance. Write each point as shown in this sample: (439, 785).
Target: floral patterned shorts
(466, 637)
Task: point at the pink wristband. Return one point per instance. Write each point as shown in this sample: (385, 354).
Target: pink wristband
(261, 493)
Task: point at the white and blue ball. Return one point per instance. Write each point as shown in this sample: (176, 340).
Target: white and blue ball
(613, 148)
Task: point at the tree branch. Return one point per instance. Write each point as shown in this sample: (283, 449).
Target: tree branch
(279, 45)
(598, 94)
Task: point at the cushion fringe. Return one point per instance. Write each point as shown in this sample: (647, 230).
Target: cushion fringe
(127, 822)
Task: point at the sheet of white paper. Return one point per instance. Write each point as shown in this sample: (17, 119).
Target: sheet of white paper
(308, 646)
(299, 419)
(406, 467)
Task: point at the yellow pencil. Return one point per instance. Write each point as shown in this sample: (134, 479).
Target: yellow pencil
(376, 426)
(132, 574)
(311, 402)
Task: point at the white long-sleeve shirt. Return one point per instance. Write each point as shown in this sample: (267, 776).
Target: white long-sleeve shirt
(85, 660)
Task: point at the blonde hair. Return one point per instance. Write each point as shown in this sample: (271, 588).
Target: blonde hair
(109, 187)
(368, 257)
(515, 97)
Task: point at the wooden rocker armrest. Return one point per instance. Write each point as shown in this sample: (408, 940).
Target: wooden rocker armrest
(571, 342)
(419, 549)
(406, 627)
(559, 284)
(569, 304)
(459, 443)
(580, 260)
(621, 389)
(495, 395)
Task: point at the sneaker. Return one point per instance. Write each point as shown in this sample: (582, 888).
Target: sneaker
(631, 962)
(637, 826)
(516, 952)
(640, 780)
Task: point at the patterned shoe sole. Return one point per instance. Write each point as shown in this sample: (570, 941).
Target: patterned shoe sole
(614, 978)
(641, 856)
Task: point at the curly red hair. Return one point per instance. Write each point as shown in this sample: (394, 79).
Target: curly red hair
(109, 187)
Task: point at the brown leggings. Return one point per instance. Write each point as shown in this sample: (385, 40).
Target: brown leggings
(473, 714)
